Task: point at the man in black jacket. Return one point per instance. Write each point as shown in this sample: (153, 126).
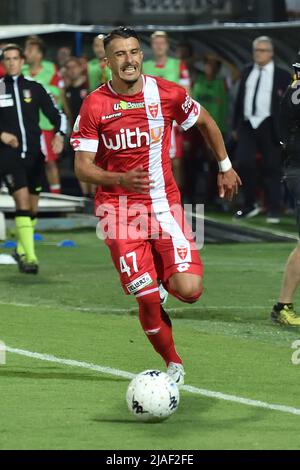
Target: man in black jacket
(283, 312)
(21, 160)
(256, 122)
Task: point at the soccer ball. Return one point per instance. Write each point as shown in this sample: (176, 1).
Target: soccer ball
(152, 396)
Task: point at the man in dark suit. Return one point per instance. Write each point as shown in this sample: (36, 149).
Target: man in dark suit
(256, 121)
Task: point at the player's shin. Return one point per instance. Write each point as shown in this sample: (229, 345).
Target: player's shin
(25, 235)
(157, 326)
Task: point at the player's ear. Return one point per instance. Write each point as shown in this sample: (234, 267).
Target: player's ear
(106, 60)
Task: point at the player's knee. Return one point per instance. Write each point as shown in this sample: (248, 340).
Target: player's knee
(190, 296)
(190, 292)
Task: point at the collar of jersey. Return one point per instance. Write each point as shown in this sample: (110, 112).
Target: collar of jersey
(126, 96)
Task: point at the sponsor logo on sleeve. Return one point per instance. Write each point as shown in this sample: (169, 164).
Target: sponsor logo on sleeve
(186, 106)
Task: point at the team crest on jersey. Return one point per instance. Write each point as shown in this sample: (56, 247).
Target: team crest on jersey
(153, 109)
(182, 252)
(27, 96)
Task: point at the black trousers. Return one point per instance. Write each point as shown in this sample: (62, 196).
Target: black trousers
(251, 141)
(292, 178)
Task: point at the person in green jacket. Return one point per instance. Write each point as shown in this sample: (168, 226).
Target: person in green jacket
(46, 73)
(175, 70)
(97, 70)
(210, 90)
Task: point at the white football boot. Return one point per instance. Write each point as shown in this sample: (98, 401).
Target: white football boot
(176, 372)
(163, 294)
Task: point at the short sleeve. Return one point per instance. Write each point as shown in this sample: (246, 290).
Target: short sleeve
(85, 135)
(185, 110)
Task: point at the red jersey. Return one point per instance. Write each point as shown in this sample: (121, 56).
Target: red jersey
(131, 131)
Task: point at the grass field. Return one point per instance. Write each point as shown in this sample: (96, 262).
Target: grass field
(75, 309)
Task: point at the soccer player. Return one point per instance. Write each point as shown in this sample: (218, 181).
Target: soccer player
(21, 160)
(175, 70)
(97, 70)
(283, 312)
(122, 142)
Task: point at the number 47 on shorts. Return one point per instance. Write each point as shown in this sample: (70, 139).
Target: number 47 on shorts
(124, 268)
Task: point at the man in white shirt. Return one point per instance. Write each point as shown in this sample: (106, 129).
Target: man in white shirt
(256, 121)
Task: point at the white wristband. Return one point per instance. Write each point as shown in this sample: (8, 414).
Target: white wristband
(224, 165)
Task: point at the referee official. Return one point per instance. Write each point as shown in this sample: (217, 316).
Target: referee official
(21, 159)
(284, 312)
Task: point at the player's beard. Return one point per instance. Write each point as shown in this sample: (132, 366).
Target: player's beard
(130, 81)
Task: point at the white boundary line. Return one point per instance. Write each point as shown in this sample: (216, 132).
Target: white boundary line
(132, 308)
(129, 375)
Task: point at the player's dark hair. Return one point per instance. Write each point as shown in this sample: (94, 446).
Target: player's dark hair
(12, 47)
(36, 41)
(121, 32)
(73, 59)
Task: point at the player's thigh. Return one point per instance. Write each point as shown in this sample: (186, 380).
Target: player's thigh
(134, 262)
(292, 178)
(175, 251)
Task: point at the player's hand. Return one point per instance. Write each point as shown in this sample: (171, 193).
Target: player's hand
(136, 180)
(9, 139)
(228, 184)
(58, 144)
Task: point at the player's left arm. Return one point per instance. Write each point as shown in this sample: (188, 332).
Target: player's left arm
(228, 180)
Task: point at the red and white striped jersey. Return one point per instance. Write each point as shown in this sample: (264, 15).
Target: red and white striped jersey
(131, 131)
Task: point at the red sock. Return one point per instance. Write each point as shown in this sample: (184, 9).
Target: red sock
(158, 327)
(55, 189)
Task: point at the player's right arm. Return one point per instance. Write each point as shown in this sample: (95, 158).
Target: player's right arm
(86, 171)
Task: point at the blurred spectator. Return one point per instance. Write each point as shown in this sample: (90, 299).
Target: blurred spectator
(211, 92)
(175, 70)
(75, 94)
(2, 69)
(63, 54)
(78, 87)
(256, 121)
(47, 74)
(185, 52)
(98, 72)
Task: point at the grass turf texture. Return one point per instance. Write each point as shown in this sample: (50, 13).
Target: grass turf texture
(76, 310)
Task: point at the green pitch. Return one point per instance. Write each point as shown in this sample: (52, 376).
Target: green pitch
(75, 310)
